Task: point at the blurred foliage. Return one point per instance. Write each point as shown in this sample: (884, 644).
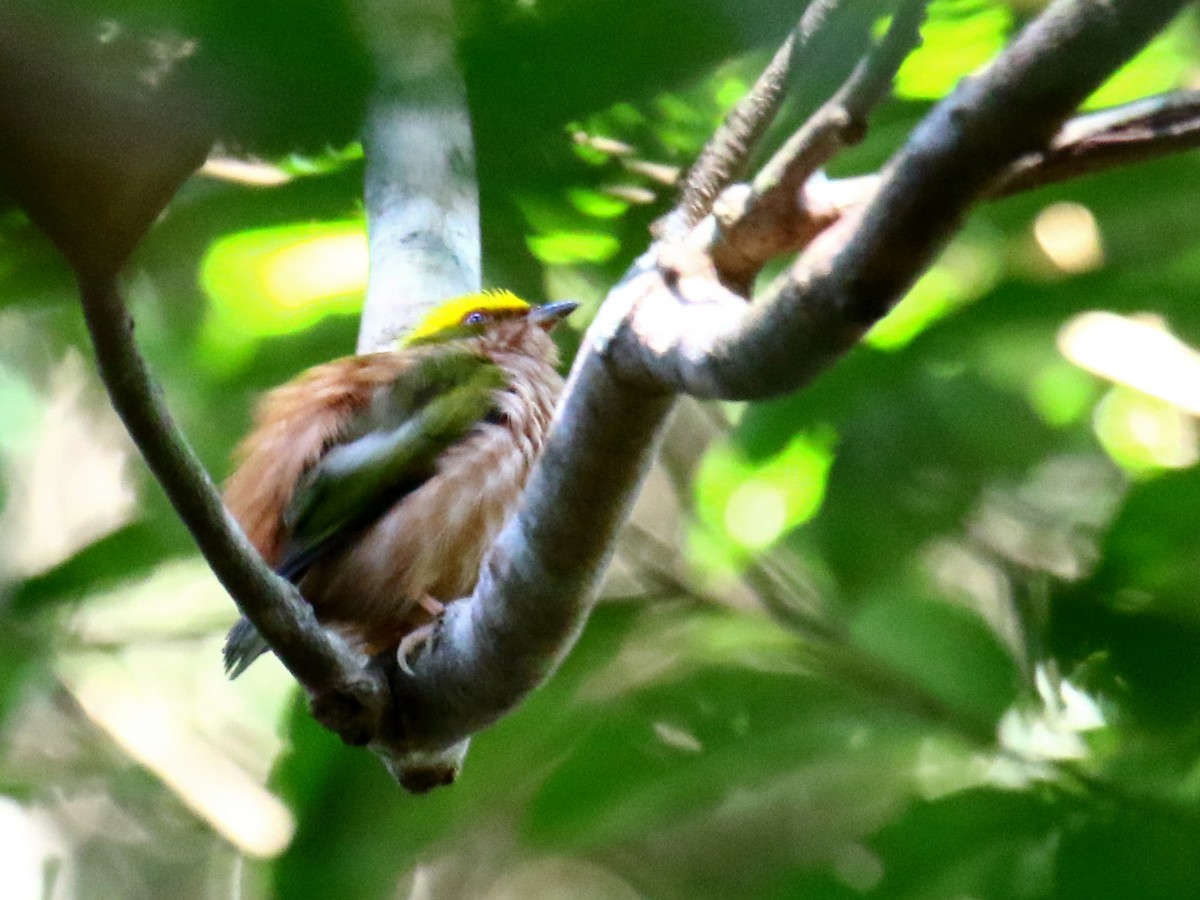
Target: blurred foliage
(929, 628)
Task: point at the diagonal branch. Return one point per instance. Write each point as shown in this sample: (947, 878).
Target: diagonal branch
(1127, 134)
(1110, 138)
(351, 698)
(667, 326)
(856, 271)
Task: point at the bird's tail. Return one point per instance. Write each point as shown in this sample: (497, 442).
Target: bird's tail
(243, 646)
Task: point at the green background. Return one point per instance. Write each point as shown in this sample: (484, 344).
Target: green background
(929, 629)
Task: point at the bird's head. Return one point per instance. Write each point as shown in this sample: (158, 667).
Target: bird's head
(491, 321)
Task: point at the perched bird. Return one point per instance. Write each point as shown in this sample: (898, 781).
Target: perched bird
(376, 483)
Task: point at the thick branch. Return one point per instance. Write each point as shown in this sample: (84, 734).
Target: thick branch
(537, 587)
(421, 195)
(855, 272)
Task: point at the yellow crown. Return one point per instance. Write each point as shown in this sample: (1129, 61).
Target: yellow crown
(449, 316)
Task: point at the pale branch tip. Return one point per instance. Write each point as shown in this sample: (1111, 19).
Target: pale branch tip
(776, 215)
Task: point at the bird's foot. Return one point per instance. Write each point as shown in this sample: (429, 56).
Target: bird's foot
(411, 642)
(416, 639)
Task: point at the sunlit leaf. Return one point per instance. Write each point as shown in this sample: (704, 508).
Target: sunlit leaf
(959, 37)
(1167, 63)
(1062, 394)
(561, 248)
(280, 280)
(753, 502)
(1143, 434)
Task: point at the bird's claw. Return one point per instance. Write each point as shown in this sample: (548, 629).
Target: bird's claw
(414, 640)
(420, 636)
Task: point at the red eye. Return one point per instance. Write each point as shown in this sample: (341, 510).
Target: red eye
(473, 318)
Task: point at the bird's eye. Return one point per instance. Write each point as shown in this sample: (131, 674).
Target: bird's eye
(473, 318)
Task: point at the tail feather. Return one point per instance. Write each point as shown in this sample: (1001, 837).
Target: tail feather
(243, 646)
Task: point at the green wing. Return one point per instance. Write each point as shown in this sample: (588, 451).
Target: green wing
(390, 450)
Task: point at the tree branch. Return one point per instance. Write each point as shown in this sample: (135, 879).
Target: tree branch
(1095, 142)
(725, 154)
(421, 195)
(351, 699)
(774, 216)
(1120, 136)
(858, 269)
(669, 325)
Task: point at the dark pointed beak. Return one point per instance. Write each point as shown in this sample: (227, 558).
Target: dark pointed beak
(550, 314)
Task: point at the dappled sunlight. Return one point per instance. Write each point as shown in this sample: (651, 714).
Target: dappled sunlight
(751, 503)
(1168, 62)
(174, 646)
(755, 514)
(315, 269)
(954, 46)
(141, 662)
(68, 475)
(1068, 235)
(1137, 351)
(126, 707)
(966, 271)
(1062, 394)
(271, 281)
(276, 280)
(1143, 434)
(1148, 421)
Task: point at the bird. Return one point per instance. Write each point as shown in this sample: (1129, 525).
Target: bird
(376, 483)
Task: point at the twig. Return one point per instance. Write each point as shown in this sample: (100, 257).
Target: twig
(349, 698)
(1096, 142)
(774, 217)
(725, 154)
(1120, 136)
(700, 343)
